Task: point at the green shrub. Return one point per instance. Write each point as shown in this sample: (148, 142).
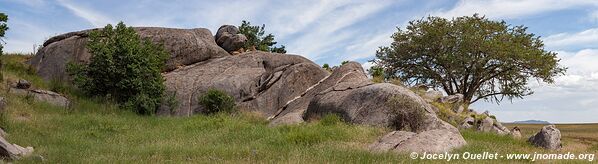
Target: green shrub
(215, 101)
(123, 67)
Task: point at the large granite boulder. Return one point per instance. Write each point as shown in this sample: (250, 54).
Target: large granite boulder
(549, 137)
(185, 46)
(229, 39)
(357, 100)
(259, 81)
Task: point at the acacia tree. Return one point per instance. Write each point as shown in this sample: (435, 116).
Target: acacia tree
(3, 28)
(479, 58)
(256, 39)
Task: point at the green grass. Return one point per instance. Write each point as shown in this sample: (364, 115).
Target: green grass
(94, 130)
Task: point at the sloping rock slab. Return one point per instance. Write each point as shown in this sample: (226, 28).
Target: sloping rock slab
(185, 46)
(258, 81)
(431, 141)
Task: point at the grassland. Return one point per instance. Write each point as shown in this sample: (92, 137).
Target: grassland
(97, 131)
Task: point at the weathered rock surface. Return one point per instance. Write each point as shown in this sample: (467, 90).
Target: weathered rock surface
(43, 95)
(294, 110)
(431, 141)
(229, 39)
(549, 137)
(13, 151)
(258, 81)
(185, 46)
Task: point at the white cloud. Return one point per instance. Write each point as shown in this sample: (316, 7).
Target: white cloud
(366, 47)
(585, 39)
(93, 17)
(326, 34)
(507, 9)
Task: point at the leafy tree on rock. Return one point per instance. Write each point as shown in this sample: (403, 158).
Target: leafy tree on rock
(124, 67)
(479, 58)
(256, 39)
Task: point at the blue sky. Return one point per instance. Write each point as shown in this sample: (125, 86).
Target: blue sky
(333, 31)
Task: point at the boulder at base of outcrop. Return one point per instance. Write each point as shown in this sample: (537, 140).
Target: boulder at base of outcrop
(43, 95)
(259, 81)
(13, 151)
(23, 84)
(549, 137)
(185, 46)
(468, 123)
(229, 39)
(431, 141)
(488, 124)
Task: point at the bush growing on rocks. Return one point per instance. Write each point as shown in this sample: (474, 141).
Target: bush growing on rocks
(257, 40)
(215, 101)
(124, 67)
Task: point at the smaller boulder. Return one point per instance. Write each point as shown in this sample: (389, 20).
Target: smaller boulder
(23, 84)
(229, 39)
(549, 137)
(516, 133)
(231, 42)
(486, 124)
(468, 123)
(231, 29)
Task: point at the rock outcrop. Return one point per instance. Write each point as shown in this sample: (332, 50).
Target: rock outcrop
(185, 46)
(286, 89)
(549, 137)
